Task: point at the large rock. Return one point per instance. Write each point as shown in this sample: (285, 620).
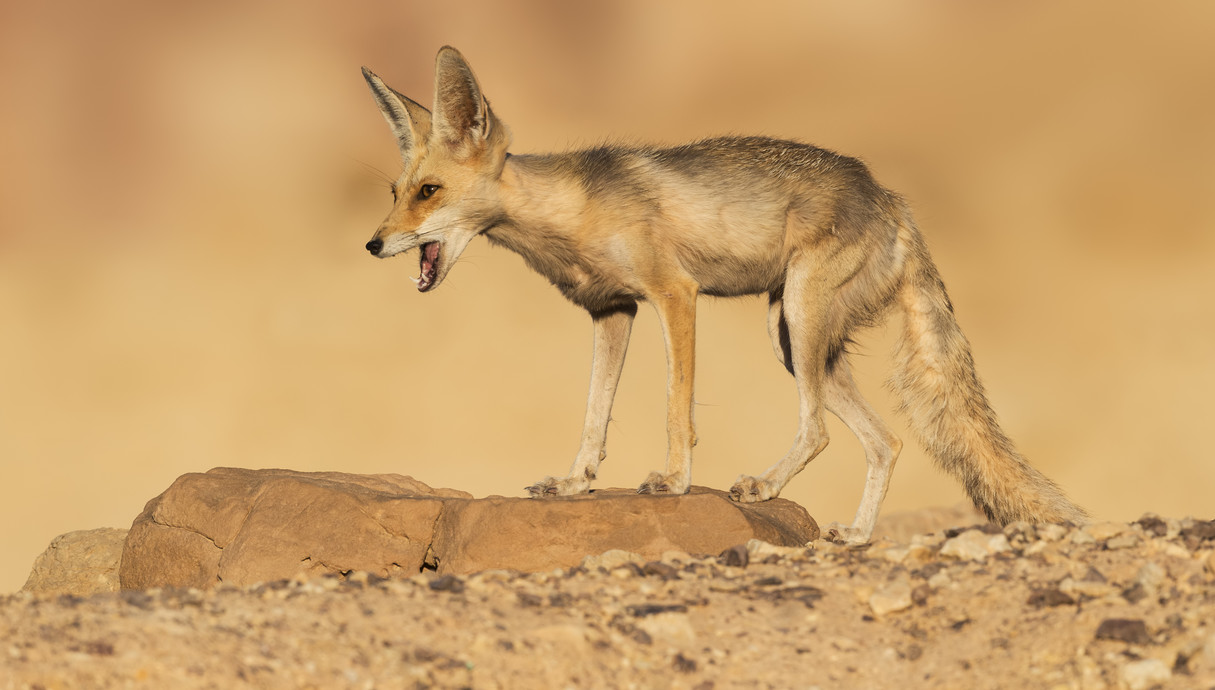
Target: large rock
(79, 563)
(245, 526)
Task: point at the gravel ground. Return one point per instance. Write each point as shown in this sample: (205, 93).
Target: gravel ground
(1109, 605)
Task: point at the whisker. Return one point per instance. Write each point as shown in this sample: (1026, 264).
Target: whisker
(377, 173)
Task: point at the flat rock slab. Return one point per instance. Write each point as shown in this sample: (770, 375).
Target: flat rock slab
(240, 527)
(540, 534)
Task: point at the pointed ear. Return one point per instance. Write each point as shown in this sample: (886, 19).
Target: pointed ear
(410, 122)
(462, 114)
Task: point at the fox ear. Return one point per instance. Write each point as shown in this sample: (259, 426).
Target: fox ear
(462, 114)
(410, 122)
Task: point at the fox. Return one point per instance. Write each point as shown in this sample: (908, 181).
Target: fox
(616, 225)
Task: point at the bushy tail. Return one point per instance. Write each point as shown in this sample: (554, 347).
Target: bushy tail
(944, 400)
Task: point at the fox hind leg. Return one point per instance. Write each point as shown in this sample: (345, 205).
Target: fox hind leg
(881, 446)
(843, 399)
(797, 322)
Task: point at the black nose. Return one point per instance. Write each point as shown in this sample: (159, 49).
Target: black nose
(375, 246)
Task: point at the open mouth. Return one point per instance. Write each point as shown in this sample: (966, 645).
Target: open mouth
(429, 262)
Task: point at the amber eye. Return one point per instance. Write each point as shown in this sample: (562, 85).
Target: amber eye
(427, 191)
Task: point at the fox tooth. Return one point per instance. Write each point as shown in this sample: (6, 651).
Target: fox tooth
(416, 280)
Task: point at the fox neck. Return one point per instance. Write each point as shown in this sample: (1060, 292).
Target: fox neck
(546, 221)
(539, 204)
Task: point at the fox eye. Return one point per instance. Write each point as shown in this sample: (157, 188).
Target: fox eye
(427, 190)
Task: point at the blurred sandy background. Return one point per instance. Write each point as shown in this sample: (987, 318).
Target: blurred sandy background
(185, 194)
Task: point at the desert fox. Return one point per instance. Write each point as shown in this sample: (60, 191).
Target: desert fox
(617, 225)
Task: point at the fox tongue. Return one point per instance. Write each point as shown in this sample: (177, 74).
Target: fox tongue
(430, 265)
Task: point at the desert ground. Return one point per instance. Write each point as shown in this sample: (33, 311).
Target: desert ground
(1109, 605)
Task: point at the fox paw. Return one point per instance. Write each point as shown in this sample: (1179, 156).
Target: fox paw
(671, 484)
(752, 490)
(559, 486)
(843, 534)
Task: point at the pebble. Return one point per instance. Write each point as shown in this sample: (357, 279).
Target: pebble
(1145, 673)
(1051, 532)
(939, 580)
(610, 559)
(974, 545)
(1132, 631)
(1150, 575)
(674, 629)
(1100, 531)
(1090, 588)
(893, 597)
(759, 550)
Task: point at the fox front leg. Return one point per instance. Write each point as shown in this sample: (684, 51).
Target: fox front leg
(676, 308)
(612, 329)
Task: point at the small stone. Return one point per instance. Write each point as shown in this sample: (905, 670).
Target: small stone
(895, 596)
(1051, 532)
(683, 664)
(666, 571)
(1176, 551)
(1133, 631)
(759, 550)
(1196, 533)
(1145, 673)
(1152, 524)
(1019, 531)
(1127, 540)
(1100, 531)
(1081, 537)
(673, 628)
(974, 545)
(735, 556)
(1049, 597)
(1151, 575)
(611, 559)
(939, 579)
(1135, 593)
(1089, 588)
(447, 583)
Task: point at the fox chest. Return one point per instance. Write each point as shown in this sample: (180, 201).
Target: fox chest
(595, 276)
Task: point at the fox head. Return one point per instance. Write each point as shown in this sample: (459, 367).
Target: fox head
(447, 192)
